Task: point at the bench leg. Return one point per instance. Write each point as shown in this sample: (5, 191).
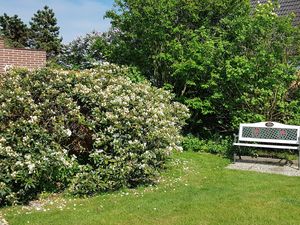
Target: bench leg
(236, 153)
(240, 153)
(234, 156)
(299, 160)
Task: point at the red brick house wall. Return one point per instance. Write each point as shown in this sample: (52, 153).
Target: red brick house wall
(1, 43)
(31, 59)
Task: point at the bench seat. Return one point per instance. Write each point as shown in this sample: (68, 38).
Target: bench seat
(267, 146)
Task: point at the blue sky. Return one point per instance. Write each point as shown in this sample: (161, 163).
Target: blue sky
(74, 17)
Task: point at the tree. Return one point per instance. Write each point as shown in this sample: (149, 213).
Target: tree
(14, 30)
(226, 63)
(151, 31)
(83, 52)
(262, 71)
(44, 32)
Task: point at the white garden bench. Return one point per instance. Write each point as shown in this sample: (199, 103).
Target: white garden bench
(268, 135)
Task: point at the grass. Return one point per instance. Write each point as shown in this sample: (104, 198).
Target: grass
(197, 189)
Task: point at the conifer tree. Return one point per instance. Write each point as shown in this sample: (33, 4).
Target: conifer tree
(14, 30)
(44, 32)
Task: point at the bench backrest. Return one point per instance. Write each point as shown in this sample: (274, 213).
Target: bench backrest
(270, 132)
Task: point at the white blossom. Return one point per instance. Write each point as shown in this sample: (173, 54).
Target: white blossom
(31, 168)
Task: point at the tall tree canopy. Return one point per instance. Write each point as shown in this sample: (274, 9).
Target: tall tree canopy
(44, 32)
(83, 52)
(14, 30)
(150, 31)
(227, 63)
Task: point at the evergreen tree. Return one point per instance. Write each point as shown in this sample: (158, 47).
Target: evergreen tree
(14, 30)
(44, 32)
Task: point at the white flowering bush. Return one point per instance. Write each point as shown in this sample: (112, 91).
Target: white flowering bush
(87, 131)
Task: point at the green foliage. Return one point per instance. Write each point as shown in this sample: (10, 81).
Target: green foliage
(44, 32)
(155, 35)
(89, 131)
(226, 63)
(14, 30)
(263, 68)
(191, 143)
(83, 52)
(222, 146)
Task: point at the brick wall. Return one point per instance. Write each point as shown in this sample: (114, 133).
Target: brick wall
(1, 43)
(30, 59)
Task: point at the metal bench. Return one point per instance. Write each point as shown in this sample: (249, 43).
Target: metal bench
(268, 135)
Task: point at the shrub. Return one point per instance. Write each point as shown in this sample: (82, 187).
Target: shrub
(222, 146)
(192, 143)
(89, 131)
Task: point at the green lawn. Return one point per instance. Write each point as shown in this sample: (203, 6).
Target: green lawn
(197, 189)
